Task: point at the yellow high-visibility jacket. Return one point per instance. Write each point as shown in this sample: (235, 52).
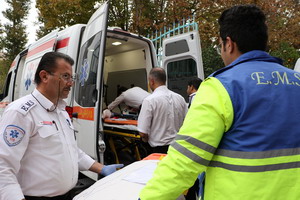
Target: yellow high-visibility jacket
(230, 174)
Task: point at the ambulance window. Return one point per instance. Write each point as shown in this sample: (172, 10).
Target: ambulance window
(179, 73)
(6, 86)
(85, 87)
(177, 47)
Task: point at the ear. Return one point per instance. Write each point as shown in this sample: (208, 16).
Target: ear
(230, 45)
(43, 75)
(192, 88)
(151, 81)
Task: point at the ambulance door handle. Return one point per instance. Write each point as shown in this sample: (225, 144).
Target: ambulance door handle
(94, 95)
(75, 115)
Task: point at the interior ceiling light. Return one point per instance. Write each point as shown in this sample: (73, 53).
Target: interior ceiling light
(116, 43)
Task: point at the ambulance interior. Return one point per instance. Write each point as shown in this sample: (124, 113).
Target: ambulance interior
(126, 64)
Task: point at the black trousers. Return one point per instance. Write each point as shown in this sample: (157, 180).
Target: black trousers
(66, 196)
(160, 149)
(193, 191)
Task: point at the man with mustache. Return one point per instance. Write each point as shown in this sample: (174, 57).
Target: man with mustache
(39, 157)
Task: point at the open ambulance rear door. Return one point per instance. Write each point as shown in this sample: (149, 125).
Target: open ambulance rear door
(182, 60)
(297, 65)
(89, 87)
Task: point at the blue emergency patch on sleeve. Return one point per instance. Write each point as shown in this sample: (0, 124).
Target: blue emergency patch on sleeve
(13, 135)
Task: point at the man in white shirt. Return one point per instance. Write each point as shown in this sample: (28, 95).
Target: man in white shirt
(162, 113)
(132, 97)
(39, 157)
(192, 88)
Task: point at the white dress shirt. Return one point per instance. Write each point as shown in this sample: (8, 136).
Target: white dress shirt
(191, 98)
(161, 116)
(132, 97)
(38, 152)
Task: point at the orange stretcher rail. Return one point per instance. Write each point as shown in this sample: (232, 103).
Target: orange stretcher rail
(122, 122)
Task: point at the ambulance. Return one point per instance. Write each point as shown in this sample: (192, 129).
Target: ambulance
(297, 65)
(105, 59)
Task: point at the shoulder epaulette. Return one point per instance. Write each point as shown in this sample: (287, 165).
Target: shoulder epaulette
(26, 106)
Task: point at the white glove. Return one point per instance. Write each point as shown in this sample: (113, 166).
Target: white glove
(106, 114)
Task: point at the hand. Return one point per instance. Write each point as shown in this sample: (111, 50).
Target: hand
(144, 137)
(106, 114)
(109, 169)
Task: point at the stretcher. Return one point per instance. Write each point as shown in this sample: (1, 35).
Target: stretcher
(124, 184)
(123, 130)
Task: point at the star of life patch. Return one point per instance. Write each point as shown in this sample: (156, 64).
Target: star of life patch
(13, 135)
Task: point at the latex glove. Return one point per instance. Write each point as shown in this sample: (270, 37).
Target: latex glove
(109, 169)
(106, 114)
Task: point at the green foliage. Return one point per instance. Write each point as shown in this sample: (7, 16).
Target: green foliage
(151, 15)
(119, 14)
(212, 61)
(1, 37)
(16, 37)
(146, 16)
(287, 53)
(58, 14)
(3, 72)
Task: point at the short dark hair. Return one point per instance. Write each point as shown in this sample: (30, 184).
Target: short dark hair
(48, 63)
(245, 25)
(158, 74)
(121, 89)
(195, 82)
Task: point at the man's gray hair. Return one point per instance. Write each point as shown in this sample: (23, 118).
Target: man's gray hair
(158, 75)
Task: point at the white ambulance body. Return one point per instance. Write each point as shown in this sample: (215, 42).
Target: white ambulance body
(297, 65)
(105, 58)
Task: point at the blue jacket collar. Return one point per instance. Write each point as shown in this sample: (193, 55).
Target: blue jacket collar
(255, 55)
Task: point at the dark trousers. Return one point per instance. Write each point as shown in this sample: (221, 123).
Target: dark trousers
(160, 149)
(193, 191)
(66, 196)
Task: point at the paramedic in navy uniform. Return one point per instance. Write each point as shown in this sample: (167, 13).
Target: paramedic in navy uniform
(39, 157)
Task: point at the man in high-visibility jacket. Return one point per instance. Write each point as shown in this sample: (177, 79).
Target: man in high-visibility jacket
(243, 127)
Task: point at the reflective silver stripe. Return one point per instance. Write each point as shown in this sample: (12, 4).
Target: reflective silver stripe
(259, 154)
(197, 143)
(190, 154)
(261, 168)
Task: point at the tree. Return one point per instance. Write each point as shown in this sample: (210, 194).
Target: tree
(211, 60)
(58, 14)
(287, 53)
(2, 71)
(152, 15)
(144, 17)
(119, 14)
(283, 19)
(16, 37)
(1, 38)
